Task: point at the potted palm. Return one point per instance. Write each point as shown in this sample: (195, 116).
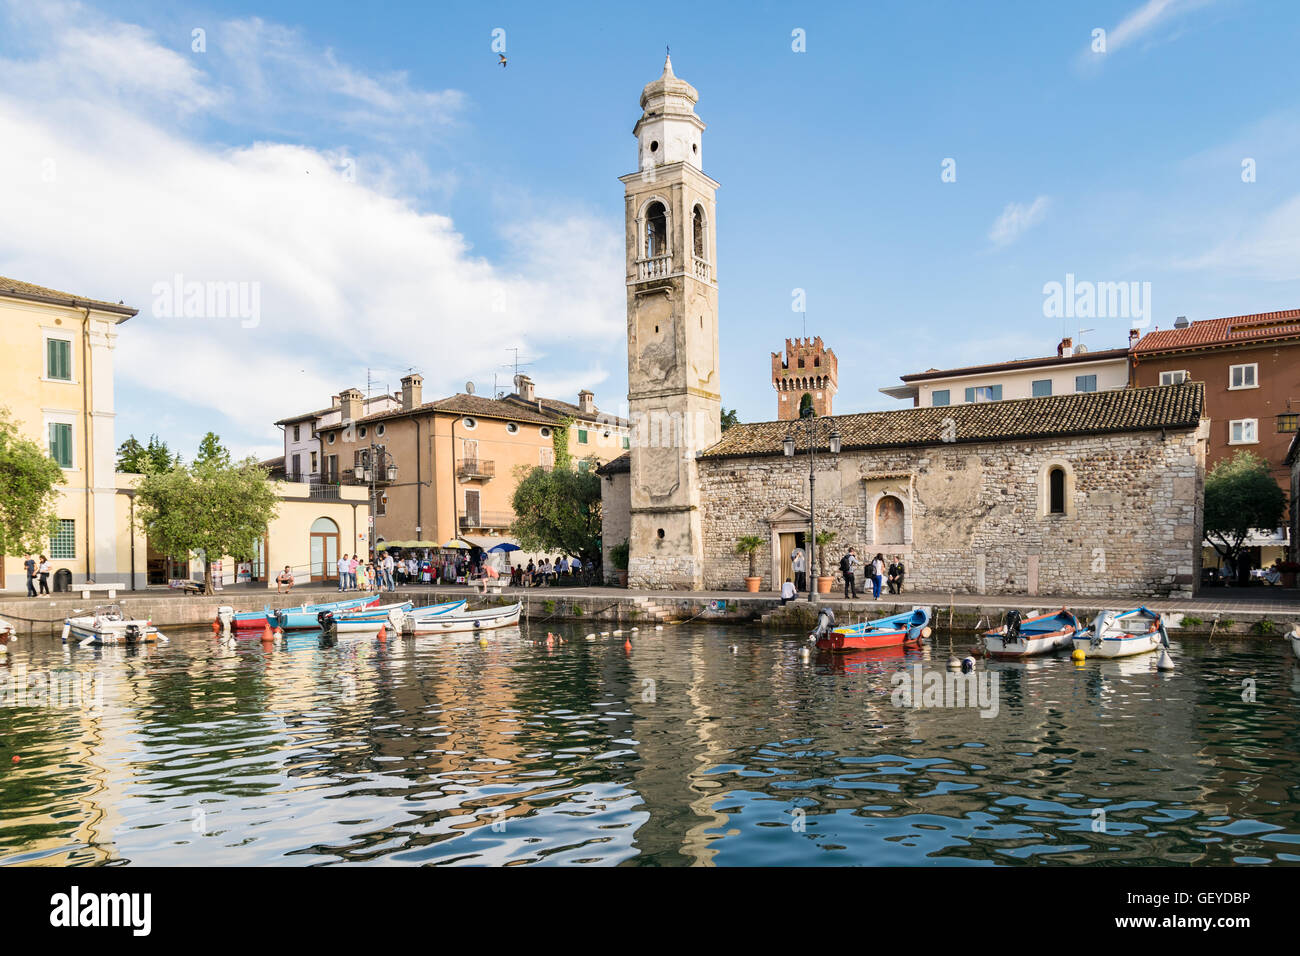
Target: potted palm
(749, 545)
(824, 580)
(618, 555)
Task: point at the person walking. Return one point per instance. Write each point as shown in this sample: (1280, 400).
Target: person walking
(29, 565)
(799, 565)
(343, 572)
(877, 575)
(849, 568)
(43, 569)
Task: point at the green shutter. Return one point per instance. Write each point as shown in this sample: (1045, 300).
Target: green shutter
(970, 395)
(582, 436)
(61, 444)
(995, 393)
(58, 359)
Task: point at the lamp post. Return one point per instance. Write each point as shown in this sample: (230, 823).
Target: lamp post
(375, 462)
(814, 430)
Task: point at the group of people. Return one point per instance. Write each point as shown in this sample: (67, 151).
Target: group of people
(37, 570)
(563, 570)
(880, 573)
(356, 574)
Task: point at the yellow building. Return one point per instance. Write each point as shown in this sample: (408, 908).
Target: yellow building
(58, 365)
(58, 370)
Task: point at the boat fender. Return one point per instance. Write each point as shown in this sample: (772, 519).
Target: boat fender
(967, 664)
(67, 629)
(1166, 662)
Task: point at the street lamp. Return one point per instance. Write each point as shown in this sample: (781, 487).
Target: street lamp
(815, 430)
(371, 470)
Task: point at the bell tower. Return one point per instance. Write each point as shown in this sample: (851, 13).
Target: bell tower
(672, 335)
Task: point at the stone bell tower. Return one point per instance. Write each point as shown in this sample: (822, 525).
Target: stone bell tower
(672, 335)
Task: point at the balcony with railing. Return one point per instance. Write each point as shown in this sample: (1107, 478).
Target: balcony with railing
(655, 267)
(467, 468)
(486, 521)
(703, 271)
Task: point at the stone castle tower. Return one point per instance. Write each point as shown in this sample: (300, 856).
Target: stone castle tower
(808, 374)
(672, 335)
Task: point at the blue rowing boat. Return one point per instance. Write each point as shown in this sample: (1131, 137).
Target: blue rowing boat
(910, 627)
(305, 617)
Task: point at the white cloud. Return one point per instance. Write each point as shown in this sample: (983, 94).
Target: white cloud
(351, 274)
(1016, 218)
(1141, 23)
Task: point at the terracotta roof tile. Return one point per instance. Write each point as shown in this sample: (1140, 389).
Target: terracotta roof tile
(1225, 331)
(1120, 410)
(1047, 360)
(21, 289)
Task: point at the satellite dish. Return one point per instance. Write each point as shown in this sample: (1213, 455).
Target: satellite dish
(1081, 349)
(469, 388)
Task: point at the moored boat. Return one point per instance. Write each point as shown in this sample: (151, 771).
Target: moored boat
(482, 620)
(1024, 637)
(307, 616)
(371, 619)
(108, 624)
(1295, 640)
(910, 627)
(6, 635)
(1122, 633)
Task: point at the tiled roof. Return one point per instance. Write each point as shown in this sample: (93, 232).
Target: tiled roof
(1226, 331)
(1017, 364)
(29, 290)
(1087, 413)
(511, 408)
(617, 466)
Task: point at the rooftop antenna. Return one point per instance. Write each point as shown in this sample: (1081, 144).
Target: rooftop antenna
(1079, 340)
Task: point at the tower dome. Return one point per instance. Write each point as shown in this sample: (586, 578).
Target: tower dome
(668, 131)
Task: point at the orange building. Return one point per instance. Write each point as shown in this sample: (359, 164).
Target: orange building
(807, 375)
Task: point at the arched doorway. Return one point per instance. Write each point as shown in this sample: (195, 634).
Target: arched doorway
(324, 550)
(889, 521)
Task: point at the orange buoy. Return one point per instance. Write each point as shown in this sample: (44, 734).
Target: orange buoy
(17, 758)
(216, 626)
(627, 645)
(383, 633)
(266, 631)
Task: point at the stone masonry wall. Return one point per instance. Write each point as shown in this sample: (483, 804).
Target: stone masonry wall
(975, 514)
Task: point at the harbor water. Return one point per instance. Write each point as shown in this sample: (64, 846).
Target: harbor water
(695, 744)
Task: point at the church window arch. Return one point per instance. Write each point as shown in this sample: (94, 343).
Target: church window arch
(1056, 489)
(656, 230)
(697, 232)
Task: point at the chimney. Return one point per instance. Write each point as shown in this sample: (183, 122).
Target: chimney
(1181, 322)
(1066, 348)
(1133, 336)
(524, 388)
(350, 401)
(412, 391)
(587, 402)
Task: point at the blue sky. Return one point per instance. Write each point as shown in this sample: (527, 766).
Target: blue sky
(482, 209)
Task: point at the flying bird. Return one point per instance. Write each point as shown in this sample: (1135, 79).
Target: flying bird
(502, 58)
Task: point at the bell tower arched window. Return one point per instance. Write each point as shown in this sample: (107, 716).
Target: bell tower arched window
(697, 227)
(656, 231)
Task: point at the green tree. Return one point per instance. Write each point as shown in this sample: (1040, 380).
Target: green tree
(824, 540)
(139, 459)
(1241, 496)
(28, 476)
(558, 510)
(560, 443)
(214, 506)
(749, 545)
(729, 418)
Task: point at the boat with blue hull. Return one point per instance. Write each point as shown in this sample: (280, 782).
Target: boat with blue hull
(910, 627)
(307, 616)
(371, 619)
(1036, 634)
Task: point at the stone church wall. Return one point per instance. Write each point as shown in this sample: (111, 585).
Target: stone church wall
(975, 517)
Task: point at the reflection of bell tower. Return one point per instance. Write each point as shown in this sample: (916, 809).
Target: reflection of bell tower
(807, 375)
(672, 335)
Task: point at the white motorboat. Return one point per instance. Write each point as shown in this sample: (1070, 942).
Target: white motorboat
(1122, 633)
(482, 620)
(367, 620)
(7, 634)
(1035, 634)
(108, 624)
(1295, 640)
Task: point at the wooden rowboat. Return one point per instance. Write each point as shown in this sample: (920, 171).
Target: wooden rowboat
(483, 620)
(910, 627)
(1033, 635)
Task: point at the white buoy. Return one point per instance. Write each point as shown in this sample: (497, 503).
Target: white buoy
(604, 633)
(804, 653)
(954, 663)
(1165, 662)
(659, 627)
(591, 637)
(967, 664)
(734, 648)
(618, 633)
(635, 629)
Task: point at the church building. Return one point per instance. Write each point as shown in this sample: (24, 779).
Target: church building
(1088, 494)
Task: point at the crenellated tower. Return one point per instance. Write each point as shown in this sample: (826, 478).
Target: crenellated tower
(807, 375)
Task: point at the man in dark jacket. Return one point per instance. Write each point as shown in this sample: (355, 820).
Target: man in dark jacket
(29, 564)
(848, 568)
(896, 572)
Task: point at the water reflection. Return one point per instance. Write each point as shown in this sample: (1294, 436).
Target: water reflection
(699, 745)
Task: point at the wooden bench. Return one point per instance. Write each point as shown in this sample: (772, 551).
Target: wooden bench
(88, 586)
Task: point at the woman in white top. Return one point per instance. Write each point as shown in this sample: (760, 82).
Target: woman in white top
(877, 575)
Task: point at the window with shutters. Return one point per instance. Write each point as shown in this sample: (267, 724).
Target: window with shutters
(1085, 383)
(58, 359)
(61, 443)
(940, 397)
(1042, 388)
(984, 393)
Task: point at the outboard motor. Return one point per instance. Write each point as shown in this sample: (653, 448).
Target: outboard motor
(132, 635)
(326, 620)
(1010, 627)
(225, 617)
(825, 623)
